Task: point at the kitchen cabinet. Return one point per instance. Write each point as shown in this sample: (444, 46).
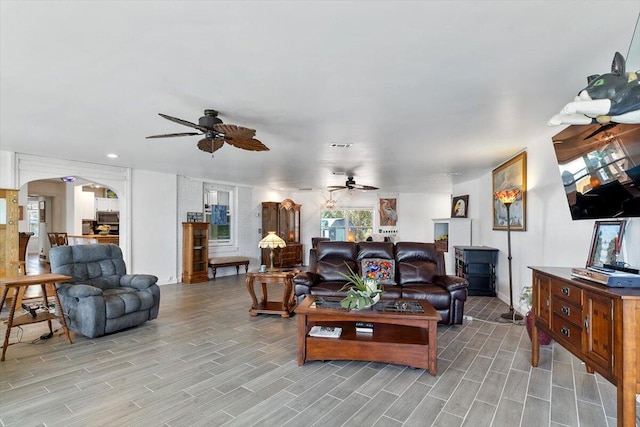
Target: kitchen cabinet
(103, 204)
(283, 218)
(87, 205)
(195, 252)
(597, 324)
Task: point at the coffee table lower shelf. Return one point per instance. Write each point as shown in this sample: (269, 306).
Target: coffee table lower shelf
(402, 345)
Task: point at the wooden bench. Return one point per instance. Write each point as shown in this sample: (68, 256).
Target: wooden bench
(228, 261)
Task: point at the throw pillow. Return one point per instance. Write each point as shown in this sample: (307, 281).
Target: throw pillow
(381, 270)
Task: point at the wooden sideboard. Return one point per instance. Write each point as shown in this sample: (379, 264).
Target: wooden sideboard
(598, 324)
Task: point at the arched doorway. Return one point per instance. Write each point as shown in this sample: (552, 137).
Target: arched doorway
(71, 205)
(35, 168)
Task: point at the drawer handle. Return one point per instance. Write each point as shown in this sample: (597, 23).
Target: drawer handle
(565, 331)
(565, 310)
(565, 291)
(548, 302)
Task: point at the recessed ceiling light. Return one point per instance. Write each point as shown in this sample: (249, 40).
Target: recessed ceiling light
(112, 156)
(339, 173)
(338, 145)
(452, 174)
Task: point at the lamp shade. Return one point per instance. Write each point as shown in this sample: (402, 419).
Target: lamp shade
(271, 241)
(508, 196)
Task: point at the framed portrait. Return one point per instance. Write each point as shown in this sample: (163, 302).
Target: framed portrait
(511, 175)
(459, 206)
(606, 242)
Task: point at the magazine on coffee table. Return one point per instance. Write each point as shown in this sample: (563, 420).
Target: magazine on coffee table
(325, 332)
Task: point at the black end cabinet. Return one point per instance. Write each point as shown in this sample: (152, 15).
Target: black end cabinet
(477, 264)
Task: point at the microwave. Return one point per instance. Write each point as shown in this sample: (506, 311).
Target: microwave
(108, 217)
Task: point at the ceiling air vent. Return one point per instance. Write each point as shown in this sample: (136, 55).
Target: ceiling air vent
(337, 145)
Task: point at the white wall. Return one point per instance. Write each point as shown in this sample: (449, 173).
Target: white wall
(154, 240)
(552, 238)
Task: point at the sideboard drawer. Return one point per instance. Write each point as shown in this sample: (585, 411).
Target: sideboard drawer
(567, 311)
(566, 330)
(568, 292)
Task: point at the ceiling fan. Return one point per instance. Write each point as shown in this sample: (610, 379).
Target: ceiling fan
(217, 133)
(350, 184)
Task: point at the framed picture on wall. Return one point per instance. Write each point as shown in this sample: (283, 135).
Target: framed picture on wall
(606, 242)
(511, 175)
(460, 206)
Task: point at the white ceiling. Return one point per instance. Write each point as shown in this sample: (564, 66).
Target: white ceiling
(421, 89)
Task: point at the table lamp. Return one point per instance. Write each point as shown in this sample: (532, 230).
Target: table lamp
(507, 197)
(271, 241)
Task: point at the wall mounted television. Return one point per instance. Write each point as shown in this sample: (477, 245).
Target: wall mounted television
(600, 169)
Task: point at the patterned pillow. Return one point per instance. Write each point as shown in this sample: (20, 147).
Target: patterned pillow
(381, 270)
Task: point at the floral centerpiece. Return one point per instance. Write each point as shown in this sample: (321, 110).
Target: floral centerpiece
(361, 292)
(103, 229)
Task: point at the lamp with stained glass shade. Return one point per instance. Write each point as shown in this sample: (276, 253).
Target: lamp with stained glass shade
(507, 197)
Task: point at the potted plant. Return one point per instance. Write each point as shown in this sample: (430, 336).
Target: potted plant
(361, 293)
(526, 297)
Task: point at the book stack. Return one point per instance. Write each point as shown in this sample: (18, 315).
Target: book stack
(325, 332)
(364, 327)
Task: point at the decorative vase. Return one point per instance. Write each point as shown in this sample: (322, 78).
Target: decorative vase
(374, 301)
(543, 338)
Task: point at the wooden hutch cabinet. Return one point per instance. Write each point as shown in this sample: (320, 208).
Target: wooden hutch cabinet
(195, 252)
(283, 218)
(598, 324)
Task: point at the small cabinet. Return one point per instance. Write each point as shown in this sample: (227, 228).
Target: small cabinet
(477, 264)
(195, 252)
(597, 324)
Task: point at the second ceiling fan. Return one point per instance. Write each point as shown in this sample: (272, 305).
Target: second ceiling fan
(351, 184)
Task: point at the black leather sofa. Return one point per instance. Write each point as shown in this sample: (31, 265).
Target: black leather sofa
(418, 273)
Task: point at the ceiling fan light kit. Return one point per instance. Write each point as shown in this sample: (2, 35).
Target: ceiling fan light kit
(216, 133)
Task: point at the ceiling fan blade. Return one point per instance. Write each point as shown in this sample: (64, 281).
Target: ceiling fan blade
(246, 144)
(171, 135)
(366, 187)
(184, 122)
(235, 132)
(210, 145)
(336, 187)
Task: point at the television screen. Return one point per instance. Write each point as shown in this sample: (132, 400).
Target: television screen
(600, 169)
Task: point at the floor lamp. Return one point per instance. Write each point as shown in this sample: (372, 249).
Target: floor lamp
(507, 197)
(271, 241)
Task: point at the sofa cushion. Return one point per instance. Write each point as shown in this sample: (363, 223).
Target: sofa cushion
(124, 300)
(381, 270)
(417, 262)
(334, 259)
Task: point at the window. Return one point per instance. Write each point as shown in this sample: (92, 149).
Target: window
(358, 227)
(219, 213)
(33, 215)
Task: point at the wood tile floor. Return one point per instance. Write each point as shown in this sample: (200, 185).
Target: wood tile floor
(206, 362)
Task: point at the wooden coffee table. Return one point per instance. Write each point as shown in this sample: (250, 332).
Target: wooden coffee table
(401, 335)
